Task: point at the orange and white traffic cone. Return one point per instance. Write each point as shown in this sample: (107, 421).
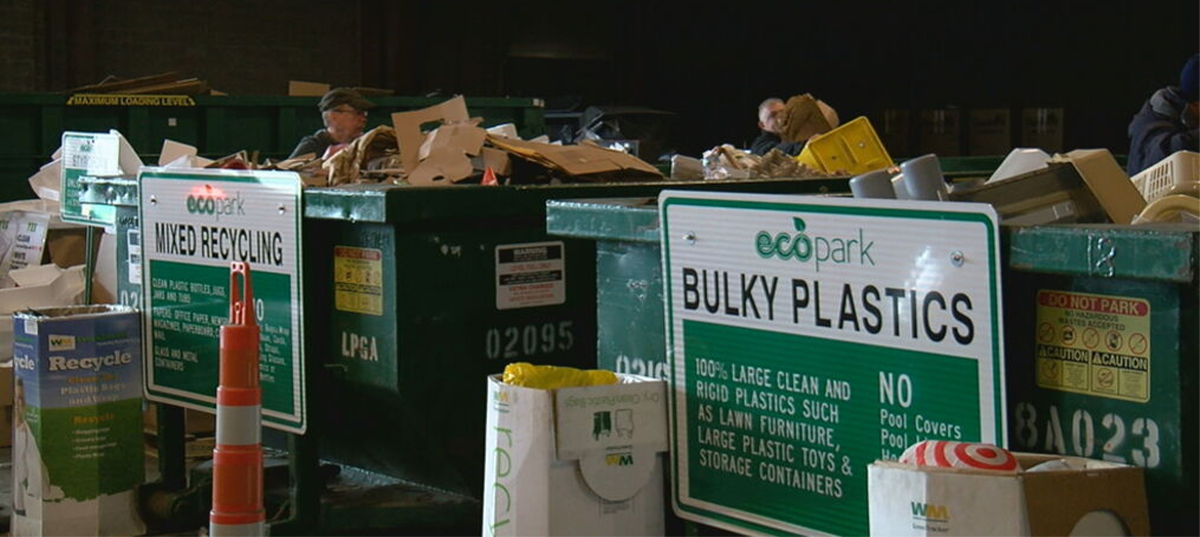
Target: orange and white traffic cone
(237, 503)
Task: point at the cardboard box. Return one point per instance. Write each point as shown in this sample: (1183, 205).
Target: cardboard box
(578, 461)
(36, 287)
(195, 421)
(940, 132)
(300, 88)
(1042, 128)
(1107, 181)
(921, 500)
(77, 427)
(989, 132)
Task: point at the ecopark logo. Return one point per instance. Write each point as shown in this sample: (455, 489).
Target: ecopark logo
(928, 512)
(214, 201)
(817, 248)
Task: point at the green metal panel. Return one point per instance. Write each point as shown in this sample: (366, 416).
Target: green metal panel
(1156, 264)
(1152, 263)
(422, 356)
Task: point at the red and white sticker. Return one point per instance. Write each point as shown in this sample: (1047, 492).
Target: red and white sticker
(530, 274)
(959, 455)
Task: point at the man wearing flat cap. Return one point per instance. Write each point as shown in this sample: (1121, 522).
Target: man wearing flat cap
(345, 114)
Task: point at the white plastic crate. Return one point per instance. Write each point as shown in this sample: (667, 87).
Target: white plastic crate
(1181, 168)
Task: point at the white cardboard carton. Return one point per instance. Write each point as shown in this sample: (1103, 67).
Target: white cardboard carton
(1089, 498)
(575, 461)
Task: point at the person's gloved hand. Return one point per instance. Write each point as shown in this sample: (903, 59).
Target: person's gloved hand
(332, 150)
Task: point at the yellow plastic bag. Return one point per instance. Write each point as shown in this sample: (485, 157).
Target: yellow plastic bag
(550, 377)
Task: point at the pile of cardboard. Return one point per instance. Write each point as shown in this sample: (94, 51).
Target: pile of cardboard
(459, 151)
(169, 83)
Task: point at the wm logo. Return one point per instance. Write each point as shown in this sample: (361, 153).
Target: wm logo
(928, 511)
(62, 343)
(619, 459)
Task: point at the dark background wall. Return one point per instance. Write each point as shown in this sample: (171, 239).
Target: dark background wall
(709, 63)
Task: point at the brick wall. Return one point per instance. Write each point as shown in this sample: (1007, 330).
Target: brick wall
(19, 45)
(241, 47)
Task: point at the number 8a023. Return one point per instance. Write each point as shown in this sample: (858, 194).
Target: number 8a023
(1122, 439)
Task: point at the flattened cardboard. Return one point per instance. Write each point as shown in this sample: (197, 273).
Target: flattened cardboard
(1107, 181)
(443, 166)
(497, 160)
(300, 88)
(464, 136)
(574, 159)
(408, 127)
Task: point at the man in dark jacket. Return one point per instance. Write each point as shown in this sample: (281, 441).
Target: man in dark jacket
(1167, 121)
(768, 114)
(344, 112)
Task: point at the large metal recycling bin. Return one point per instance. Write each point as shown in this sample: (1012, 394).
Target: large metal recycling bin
(1134, 400)
(1155, 266)
(418, 325)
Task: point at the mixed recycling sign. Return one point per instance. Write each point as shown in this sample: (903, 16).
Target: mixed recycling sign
(809, 337)
(194, 224)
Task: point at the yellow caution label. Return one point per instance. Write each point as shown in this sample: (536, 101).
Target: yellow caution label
(118, 99)
(1093, 344)
(358, 280)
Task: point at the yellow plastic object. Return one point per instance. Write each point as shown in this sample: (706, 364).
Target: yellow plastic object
(853, 148)
(550, 377)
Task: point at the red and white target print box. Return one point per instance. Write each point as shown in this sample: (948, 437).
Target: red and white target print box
(1064, 496)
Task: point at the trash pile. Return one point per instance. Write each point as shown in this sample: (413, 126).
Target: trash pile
(459, 151)
(803, 119)
(726, 162)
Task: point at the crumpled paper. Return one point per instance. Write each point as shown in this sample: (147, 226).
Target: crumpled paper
(727, 162)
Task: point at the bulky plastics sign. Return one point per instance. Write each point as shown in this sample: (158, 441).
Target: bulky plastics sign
(810, 336)
(195, 223)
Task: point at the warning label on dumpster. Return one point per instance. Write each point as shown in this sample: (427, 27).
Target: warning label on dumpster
(1093, 344)
(358, 280)
(530, 274)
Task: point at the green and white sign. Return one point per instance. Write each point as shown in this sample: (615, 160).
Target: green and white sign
(194, 223)
(808, 337)
(86, 155)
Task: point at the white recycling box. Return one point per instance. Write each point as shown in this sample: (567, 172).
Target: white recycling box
(575, 461)
(1083, 497)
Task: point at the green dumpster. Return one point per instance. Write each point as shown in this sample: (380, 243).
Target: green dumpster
(1135, 286)
(1101, 345)
(429, 290)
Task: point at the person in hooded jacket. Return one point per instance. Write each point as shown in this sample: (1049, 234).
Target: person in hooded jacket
(1167, 121)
